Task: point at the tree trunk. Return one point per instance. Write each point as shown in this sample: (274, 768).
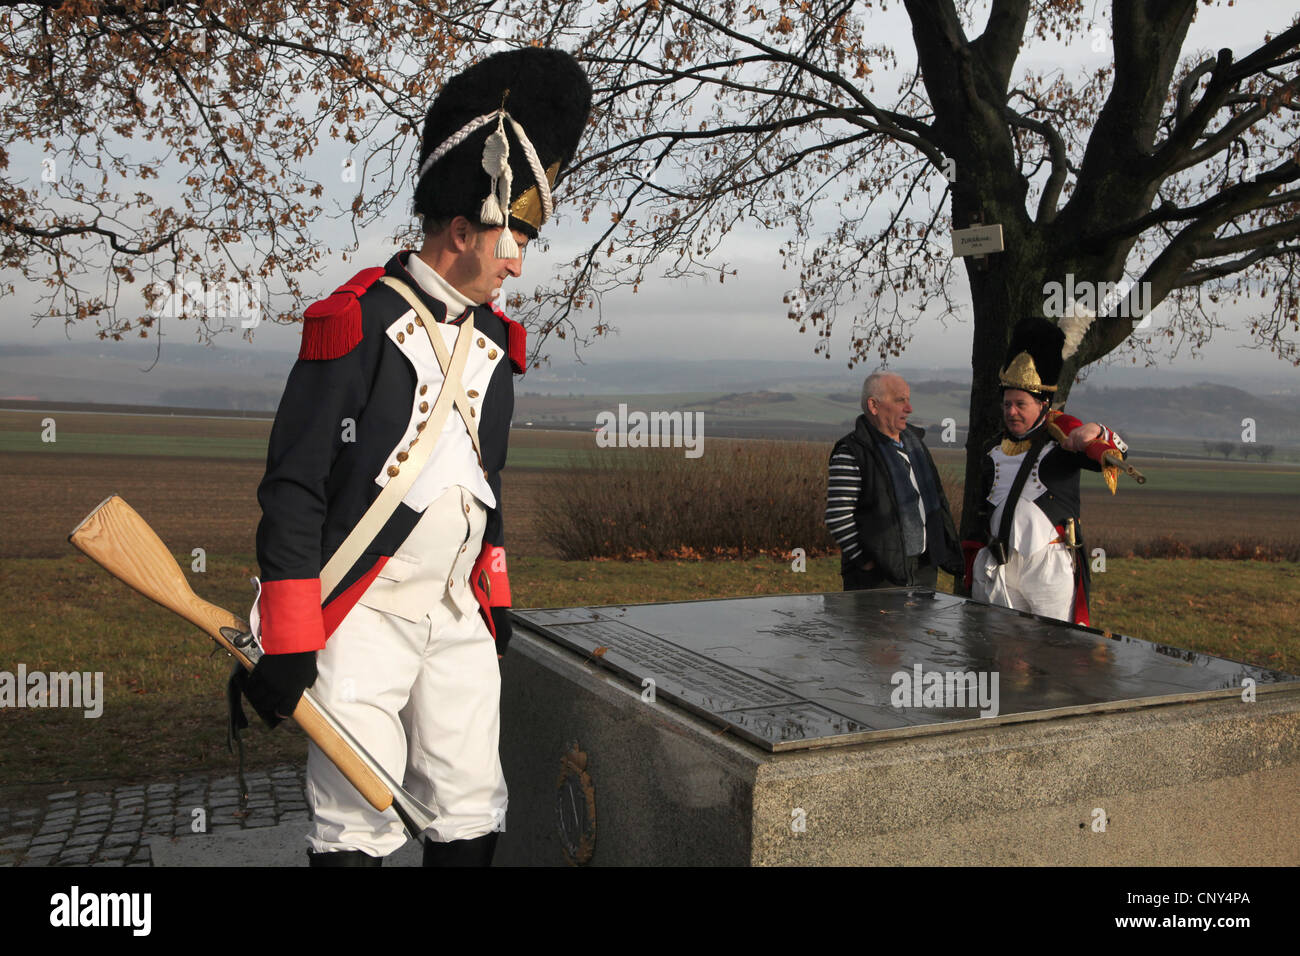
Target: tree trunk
(1005, 288)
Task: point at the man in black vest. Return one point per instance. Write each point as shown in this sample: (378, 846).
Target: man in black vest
(885, 504)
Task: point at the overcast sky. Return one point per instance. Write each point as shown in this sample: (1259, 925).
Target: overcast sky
(746, 318)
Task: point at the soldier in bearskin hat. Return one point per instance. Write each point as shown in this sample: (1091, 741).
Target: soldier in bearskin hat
(384, 584)
(1031, 555)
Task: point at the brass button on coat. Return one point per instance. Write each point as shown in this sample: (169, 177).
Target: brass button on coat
(392, 471)
(400, 338)
(424, 406)
(424, 389)
(481, 343)
(409, 328)
(492, 354)
(402, 456)
(471, 413)
(420, 428)
(472, 394)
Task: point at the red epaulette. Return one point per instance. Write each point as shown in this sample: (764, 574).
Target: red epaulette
(332, 327)
(516, 342)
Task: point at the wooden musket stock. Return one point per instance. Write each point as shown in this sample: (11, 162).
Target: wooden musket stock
(120, 541)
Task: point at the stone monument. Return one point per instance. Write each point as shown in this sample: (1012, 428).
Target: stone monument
(885, 727)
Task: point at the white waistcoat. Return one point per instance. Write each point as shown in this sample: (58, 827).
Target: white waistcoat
(453, 461)
(434, 561)
(1031, 530)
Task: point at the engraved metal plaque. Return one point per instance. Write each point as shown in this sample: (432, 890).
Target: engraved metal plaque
(812, 670)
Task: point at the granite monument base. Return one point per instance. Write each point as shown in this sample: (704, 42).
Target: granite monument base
(603, 770)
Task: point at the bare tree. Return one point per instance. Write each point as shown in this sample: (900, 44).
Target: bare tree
(1162, 177)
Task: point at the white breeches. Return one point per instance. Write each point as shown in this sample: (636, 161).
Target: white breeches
(422, 696)
(1042, 583)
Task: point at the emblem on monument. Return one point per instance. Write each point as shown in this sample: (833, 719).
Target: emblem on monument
(575, 807)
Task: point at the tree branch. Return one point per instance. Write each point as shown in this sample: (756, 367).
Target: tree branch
(1204, 274)
(901, 127)
(999, 44)
(1242, 241)
(1060, 162)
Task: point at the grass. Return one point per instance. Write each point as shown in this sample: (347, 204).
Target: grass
(1245, 610)
(164, 707)
(1234, 478)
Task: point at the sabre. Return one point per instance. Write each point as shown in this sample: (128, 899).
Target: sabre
(116, 538)
(1110, 458)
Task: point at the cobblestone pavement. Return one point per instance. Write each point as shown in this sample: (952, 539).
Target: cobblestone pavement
(112, 828)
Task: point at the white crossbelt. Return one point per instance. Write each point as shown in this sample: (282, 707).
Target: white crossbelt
(451, 394)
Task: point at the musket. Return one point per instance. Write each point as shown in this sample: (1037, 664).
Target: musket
(115, 537)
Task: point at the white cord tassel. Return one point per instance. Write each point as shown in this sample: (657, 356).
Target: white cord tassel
(506, 247)
(496, 207)
(496, 163)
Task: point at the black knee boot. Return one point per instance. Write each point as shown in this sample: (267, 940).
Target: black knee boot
(343, 858)
(476, 852)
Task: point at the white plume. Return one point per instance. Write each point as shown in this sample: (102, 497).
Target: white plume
(1075, 323)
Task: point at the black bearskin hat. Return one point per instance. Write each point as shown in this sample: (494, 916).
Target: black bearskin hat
(546, 93)
(1033, 362)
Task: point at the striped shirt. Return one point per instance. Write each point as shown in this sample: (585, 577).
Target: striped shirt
(843, 488)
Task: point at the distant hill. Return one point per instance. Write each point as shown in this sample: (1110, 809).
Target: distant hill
(193, 376)
(749, 397)
(1203, 411)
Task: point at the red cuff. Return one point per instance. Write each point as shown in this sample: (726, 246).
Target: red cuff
(1097, 448)
(490, 582)
(291, 616)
